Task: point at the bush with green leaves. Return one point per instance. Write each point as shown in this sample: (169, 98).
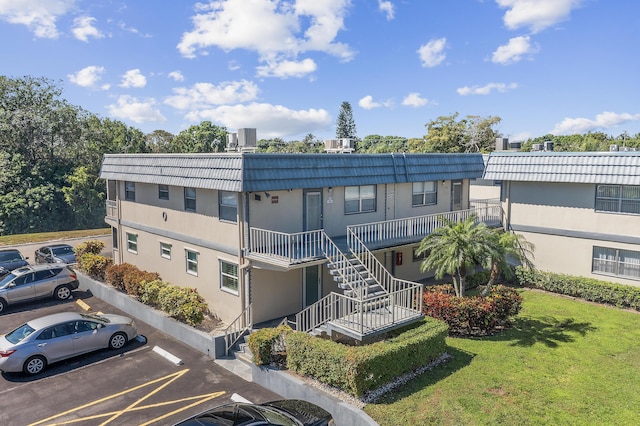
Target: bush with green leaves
(89, 246)
(265, 343)
(94, 265)
(182, 303)
(599, 291)
(150, 292)
(134, 281)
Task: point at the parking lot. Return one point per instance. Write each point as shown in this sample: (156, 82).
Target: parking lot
(140, 384)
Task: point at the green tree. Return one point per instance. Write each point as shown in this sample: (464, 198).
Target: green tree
(470, 134)
(345, 124)
(159, 141)
(86, 202)
(454, 248)
(204, 137)
(507, 247)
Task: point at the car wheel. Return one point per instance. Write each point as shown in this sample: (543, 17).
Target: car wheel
(3, 305)
(62, 293)
(34, 365)
(117, 341)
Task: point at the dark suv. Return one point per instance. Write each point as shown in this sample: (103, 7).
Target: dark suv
(11, 259)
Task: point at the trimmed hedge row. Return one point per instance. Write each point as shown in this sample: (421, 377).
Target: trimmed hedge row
(620, 295)
(358, 369)
(265, 343)
(472, 316)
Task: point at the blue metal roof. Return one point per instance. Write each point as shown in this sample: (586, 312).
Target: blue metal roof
(621, 168)
(247, 172)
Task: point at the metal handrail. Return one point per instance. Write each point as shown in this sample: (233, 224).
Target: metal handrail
(237, 328)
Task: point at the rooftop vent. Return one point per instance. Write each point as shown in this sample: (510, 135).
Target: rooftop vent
(502, 144)
(247, 137)
(614, 148)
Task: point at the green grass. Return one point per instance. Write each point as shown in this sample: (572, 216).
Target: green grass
(10, 240)
(565, 362)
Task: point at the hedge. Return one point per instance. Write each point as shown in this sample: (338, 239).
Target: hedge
(358, 369)
(620, 295)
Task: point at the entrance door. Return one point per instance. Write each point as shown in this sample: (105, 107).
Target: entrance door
(456, 195)
(312, 285)
(312, 210)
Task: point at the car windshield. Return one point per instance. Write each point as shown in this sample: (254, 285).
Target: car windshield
(7, 279)
(62, 250)
(19, 333)
(271, 415)
(10, 256)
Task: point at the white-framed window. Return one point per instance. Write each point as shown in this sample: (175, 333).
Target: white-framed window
(190, 199)
(165, 250)
(617, 262)
(618, 198)
(228, 206)
(424, 193)
(132, 243)
(359, 199)
(163, 192)
(129, 191)
(191, 257)
(229, 277)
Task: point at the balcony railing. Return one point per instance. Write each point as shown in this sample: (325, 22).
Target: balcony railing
(290, 248)
(112, 208)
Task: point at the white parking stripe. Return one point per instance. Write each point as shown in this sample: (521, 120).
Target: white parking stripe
(172, 358)
(237, 398)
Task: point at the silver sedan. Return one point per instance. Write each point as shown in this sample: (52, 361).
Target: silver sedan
(45, 340)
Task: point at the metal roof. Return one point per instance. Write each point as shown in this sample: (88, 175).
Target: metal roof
(620, 168)
(246, 172)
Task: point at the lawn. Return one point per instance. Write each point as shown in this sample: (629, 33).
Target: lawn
(9, 240)
(565, 362)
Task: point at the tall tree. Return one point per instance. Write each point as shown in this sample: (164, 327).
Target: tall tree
(345, 125)
(159, 141)
(470, 134)
(204, 137)
(455, 248)
(507, 247)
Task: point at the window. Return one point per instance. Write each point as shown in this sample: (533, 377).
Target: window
(163, 192)
(130, 191)
(618, 198)
(228, 206)
(359, 199)
(192, 261)
(132, 243)
(424, 193)
(190, 199)
(229, 277)
(618, 262)
(419, 257)
(114, 238)
(165, 250)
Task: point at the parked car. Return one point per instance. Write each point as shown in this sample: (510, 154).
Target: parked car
(40, 342)
(37, 281)
(56, 253)
(288, 412)
(11, 259)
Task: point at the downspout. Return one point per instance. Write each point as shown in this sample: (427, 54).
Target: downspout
(243, 264)
(507, 224)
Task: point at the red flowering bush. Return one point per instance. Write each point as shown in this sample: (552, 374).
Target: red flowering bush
(472, 316)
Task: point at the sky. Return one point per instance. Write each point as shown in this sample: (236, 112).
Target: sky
(284, 67)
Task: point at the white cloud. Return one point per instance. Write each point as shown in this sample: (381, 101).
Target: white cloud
(133, 78)
(387, 8)
(234, 65)
(514, 50)
(176, 75)
(368, 103)
(536, 14)
(415, 100)
(130, 108)
(604, 120)
(83, 28)
(431, 54)
(39, 16)
(205, 95)
(270, 120)
(274, 29)
(286, 68)
(486, 89)
(88, 76)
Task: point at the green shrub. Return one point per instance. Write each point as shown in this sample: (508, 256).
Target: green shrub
(477, 279)
(114, 275)
(590, 289)
(182, 303)
(90, 246)
(134, 280)
(150, 292)
(358, 369)
(94, 265)
(267, 342)
(468, 316)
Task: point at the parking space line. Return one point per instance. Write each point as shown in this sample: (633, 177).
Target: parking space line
(113, 415)
(174, 359)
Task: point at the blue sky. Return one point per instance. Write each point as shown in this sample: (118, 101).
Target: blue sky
(284, 67)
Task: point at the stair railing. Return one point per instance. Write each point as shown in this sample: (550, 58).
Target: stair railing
(237, 328)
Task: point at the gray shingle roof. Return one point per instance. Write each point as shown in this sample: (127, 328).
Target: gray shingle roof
(620, 168)
(248, 172)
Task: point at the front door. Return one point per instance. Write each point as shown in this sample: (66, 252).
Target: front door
(312, 209)
(456, 195)
(312, 288)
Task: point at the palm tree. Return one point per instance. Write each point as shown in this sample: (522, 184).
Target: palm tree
(508, 248)
(456, 247)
